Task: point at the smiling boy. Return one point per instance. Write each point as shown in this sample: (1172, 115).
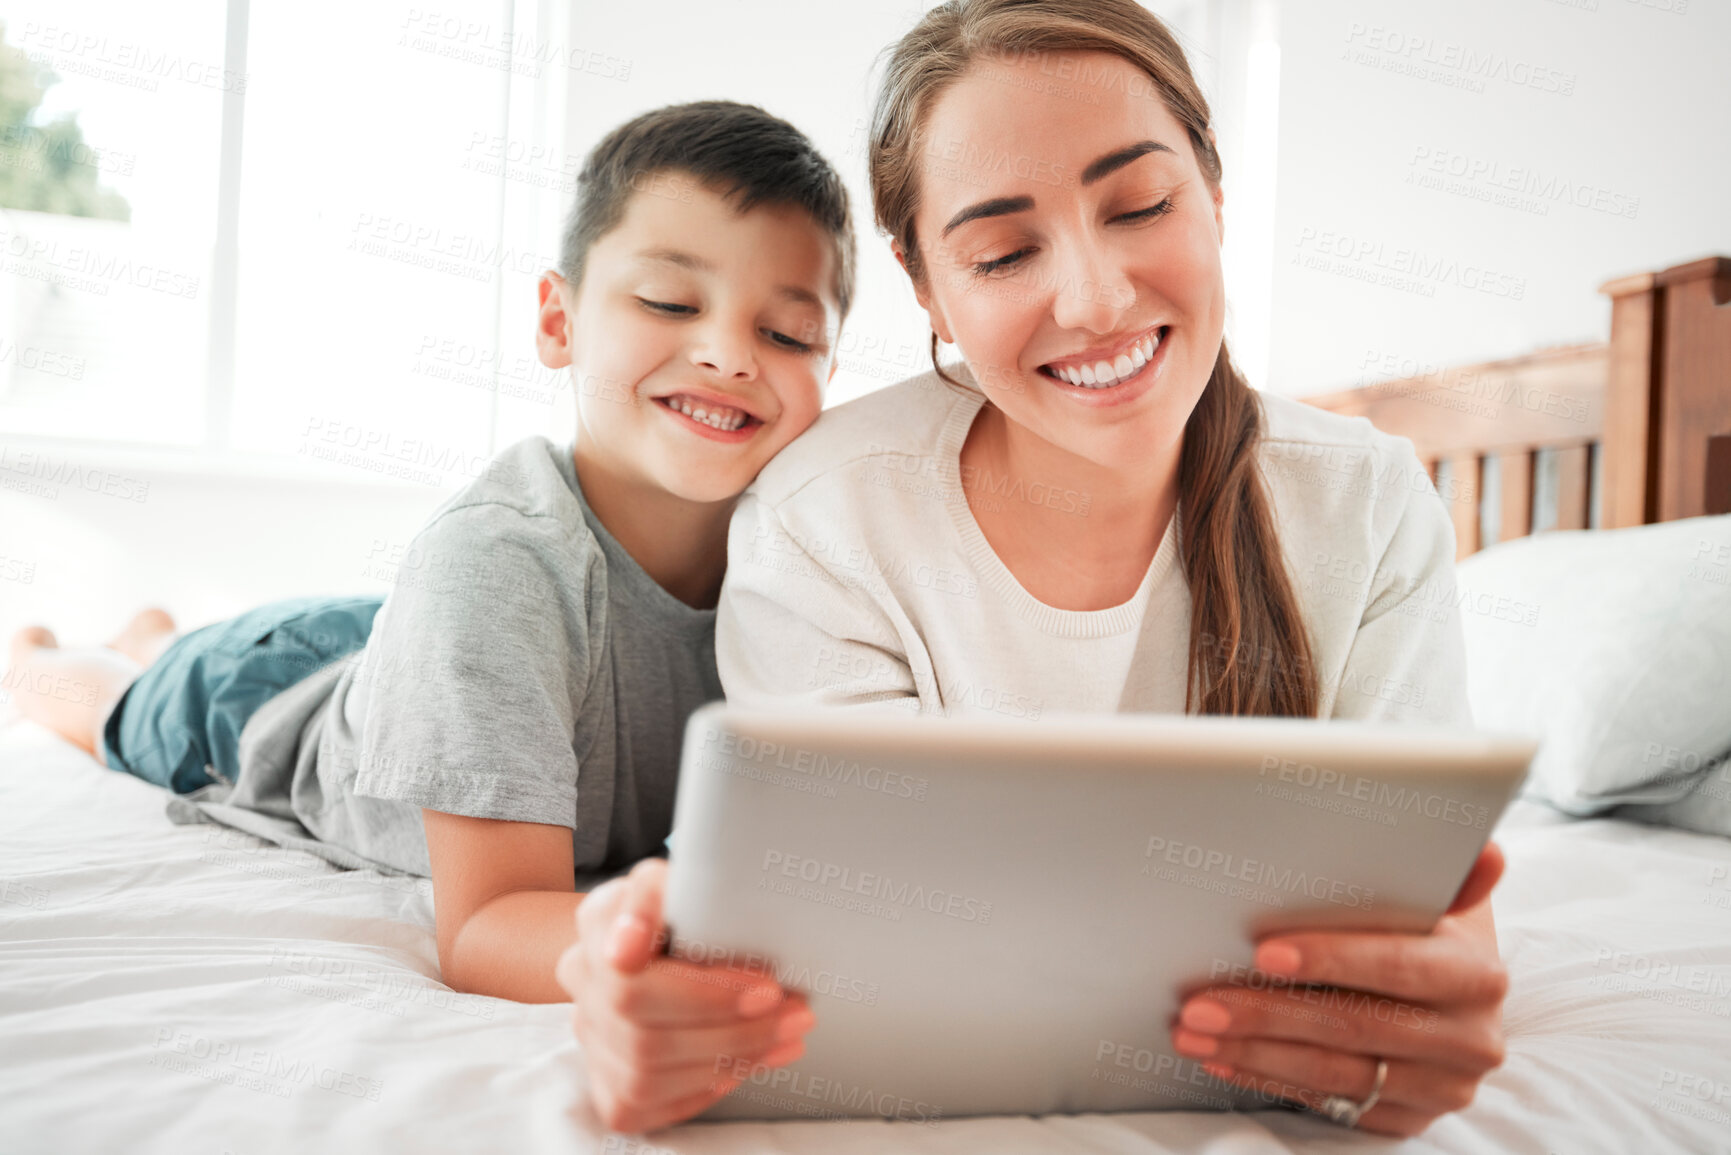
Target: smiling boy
(513, 729)
(704, 277)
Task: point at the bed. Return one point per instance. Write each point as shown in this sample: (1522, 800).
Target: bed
(194, 989)
(1631, 431)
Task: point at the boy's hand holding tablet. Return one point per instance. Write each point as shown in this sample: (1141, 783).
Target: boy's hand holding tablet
(662, 1031)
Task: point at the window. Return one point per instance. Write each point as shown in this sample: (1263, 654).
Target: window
(104, 322)
(332, 209)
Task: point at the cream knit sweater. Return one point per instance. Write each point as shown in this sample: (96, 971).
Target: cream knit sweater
(857, 574)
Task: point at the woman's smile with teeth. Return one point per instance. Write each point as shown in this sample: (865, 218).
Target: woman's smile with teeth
(1104, 374)
(715, 416)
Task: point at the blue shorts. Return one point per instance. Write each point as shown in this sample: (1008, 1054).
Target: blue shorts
(179, 724)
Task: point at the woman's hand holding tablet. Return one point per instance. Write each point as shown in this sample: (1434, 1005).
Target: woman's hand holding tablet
(1430, 1006)
(1319, 941)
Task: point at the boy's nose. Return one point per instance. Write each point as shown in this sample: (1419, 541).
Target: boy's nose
(726, 353)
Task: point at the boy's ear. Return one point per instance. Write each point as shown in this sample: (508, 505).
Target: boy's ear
(553, 322)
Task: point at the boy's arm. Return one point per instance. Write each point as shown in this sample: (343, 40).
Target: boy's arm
(505, 898)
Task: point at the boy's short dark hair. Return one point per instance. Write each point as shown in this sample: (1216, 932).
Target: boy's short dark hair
(752, 157)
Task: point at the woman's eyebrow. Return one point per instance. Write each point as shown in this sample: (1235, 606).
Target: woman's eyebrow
(1113, 161)
(996, 207)
(1105, 166)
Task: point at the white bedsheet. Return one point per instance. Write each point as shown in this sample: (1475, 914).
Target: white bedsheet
(190, 989)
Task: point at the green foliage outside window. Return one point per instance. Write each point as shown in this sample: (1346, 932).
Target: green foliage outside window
(46, 168)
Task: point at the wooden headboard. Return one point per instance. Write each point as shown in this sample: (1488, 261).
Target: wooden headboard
(1632, 431)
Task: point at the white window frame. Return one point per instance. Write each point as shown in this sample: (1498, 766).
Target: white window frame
(536, 107)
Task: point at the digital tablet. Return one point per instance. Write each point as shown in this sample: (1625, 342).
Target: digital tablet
(1002, 917)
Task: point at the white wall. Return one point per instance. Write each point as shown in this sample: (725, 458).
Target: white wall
(1642, 137)
(82, 547)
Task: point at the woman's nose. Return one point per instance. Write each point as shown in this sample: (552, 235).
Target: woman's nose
(1092, 291)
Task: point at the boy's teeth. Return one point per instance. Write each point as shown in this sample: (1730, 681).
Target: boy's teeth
(724, 419)
(1105, 374)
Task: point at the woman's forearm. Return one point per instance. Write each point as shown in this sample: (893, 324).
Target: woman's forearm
(507, 949)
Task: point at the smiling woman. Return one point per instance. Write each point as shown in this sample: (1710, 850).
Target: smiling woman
(1043, 284)
(1139, 529)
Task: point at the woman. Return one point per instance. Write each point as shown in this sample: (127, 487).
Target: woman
(1093, 513)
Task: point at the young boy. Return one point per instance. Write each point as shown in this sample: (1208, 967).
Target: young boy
(508, 721)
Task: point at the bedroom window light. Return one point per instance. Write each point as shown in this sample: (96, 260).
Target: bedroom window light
(109, 160)
(334, 203)
(385, 330)
(1248, 252)
(353, 286)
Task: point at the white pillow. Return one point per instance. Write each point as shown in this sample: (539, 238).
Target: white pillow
(1614, 648)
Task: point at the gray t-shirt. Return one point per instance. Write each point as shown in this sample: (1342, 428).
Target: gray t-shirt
(524, 667)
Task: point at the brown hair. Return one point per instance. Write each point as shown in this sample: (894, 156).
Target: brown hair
(752, 157)
(1249, 653)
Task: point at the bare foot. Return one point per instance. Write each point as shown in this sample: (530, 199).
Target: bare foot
(69, 691)
(145, 636)
(27, 641)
